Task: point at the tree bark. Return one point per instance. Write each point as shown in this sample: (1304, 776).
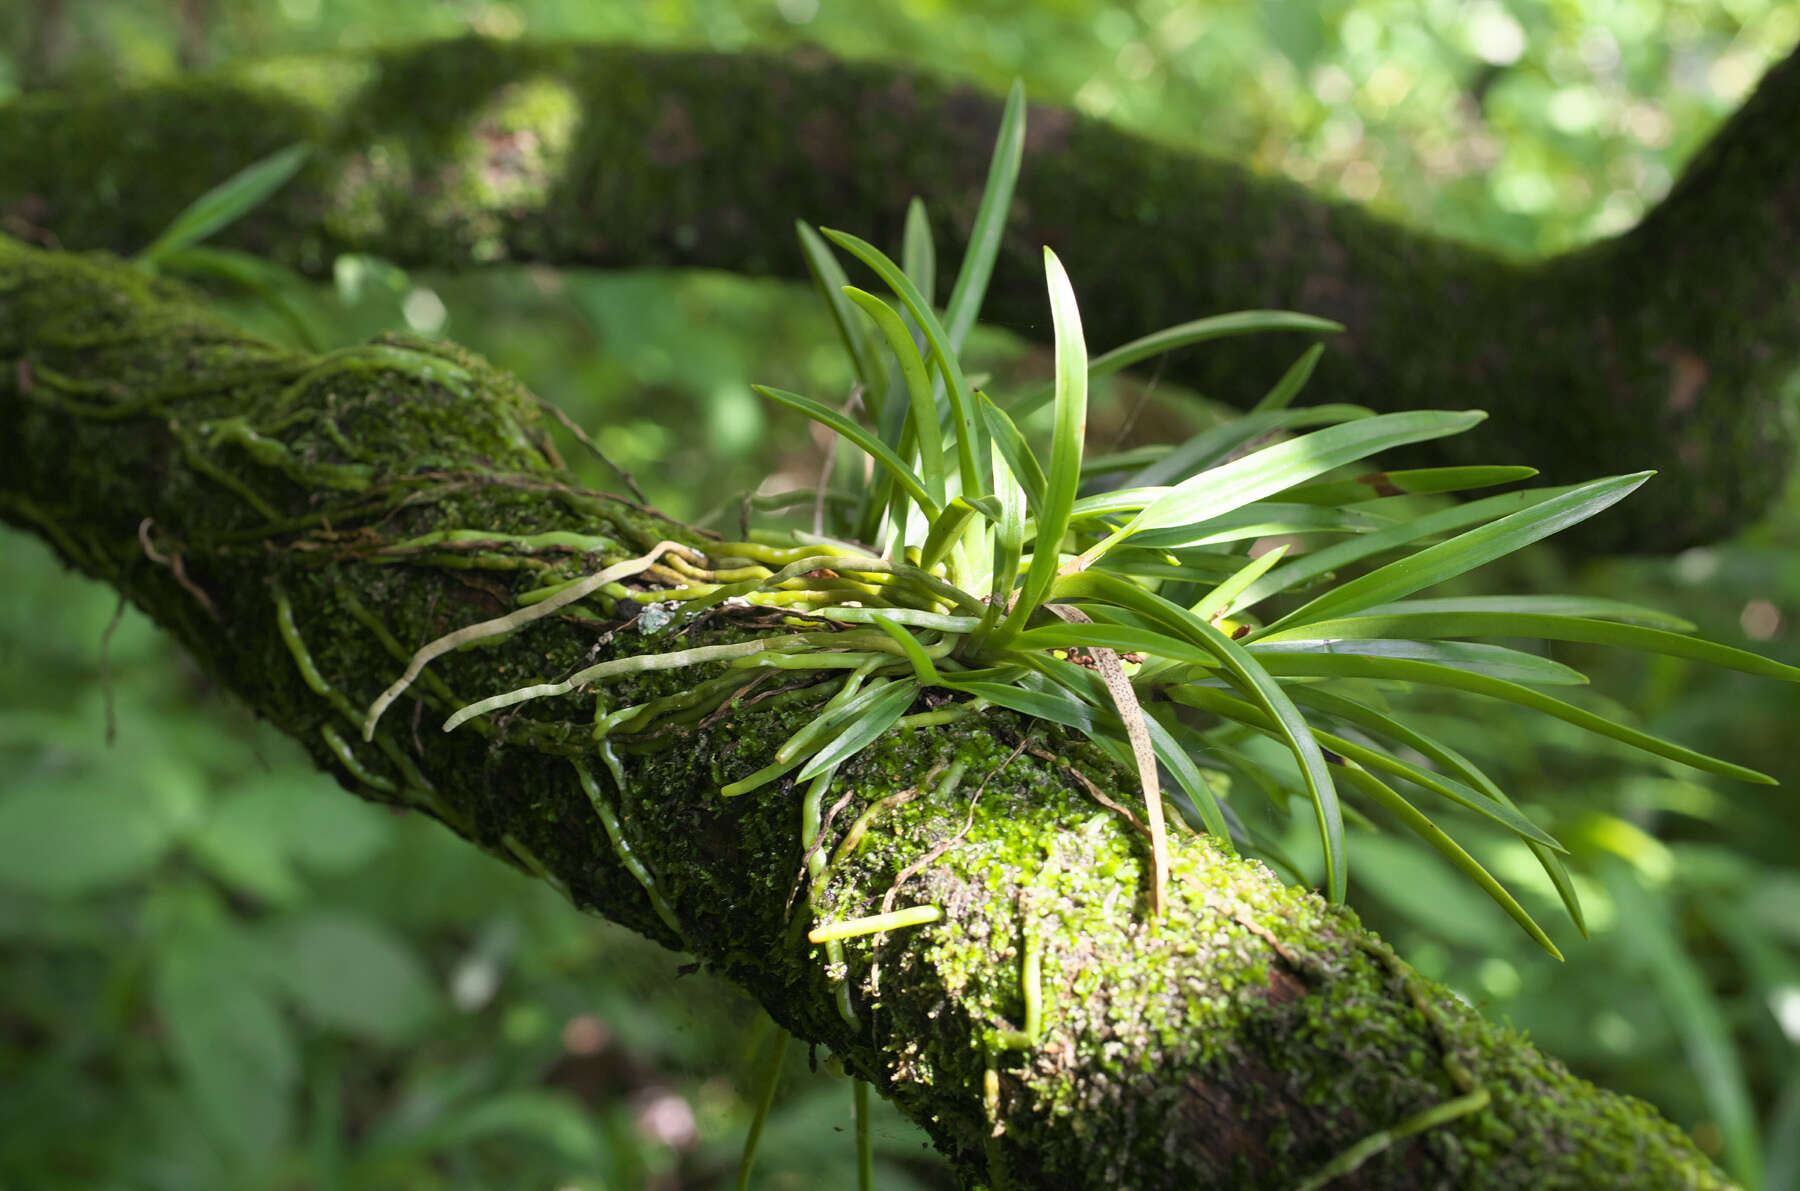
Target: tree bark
(1673, 347)
(302, 524)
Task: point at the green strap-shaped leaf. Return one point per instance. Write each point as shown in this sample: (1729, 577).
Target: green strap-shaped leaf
(1329, 665)
(1314, 564)
(918, 252)
(1391, 801)
(1218, 326)
(1011, 444)
(1379, 724)
(876, 449)
(990, 221)
(829, 278)
(923, 419)
(1066, 445)
(1586, 607)
(973, 463)
(1549, 628)
(1291, 382)
(1423, 481)
(1468, 550)
(1499, 810)
(1496, 661)
(1214, 603)
(880, 714)
(1268, 471)
(226, 202)
(1040, 701)
(1213, 445)
(1254, 681)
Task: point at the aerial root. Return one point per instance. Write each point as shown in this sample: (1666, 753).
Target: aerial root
(513, 620)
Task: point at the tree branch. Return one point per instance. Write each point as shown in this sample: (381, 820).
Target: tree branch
(338, 512)
(1673, 347)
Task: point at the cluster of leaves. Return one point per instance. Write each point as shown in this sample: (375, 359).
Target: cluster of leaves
(1058, 563)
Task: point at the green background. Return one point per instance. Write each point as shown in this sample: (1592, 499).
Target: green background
(219, 971)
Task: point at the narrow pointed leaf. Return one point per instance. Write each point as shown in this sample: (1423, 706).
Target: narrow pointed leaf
(1379, 724)
(923, 409)
(1496, 661)
(1320, 665)
(1531, 624)
(1219, 326)
(1065, 445)
(880, 715)
(918, 253)
(1011, 444)
(1586, 607)
(1256, 684)
(962, 413)
(829, 278)
(226, 202)
(1268, 471)
(1211, 446)
(877, 450)
(990, 221)
(1415, 482)
(1391, 801)
(1499, 810)
(1214, 604)
(1291, 382)
(1468, 550)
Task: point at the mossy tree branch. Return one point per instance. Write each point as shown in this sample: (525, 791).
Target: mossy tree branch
(302, 524)
(1673, 347)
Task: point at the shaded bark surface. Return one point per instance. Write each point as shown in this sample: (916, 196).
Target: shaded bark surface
(1673, 347)
(294, 521)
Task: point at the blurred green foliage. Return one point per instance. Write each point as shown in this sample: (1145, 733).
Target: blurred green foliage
(223, 972)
